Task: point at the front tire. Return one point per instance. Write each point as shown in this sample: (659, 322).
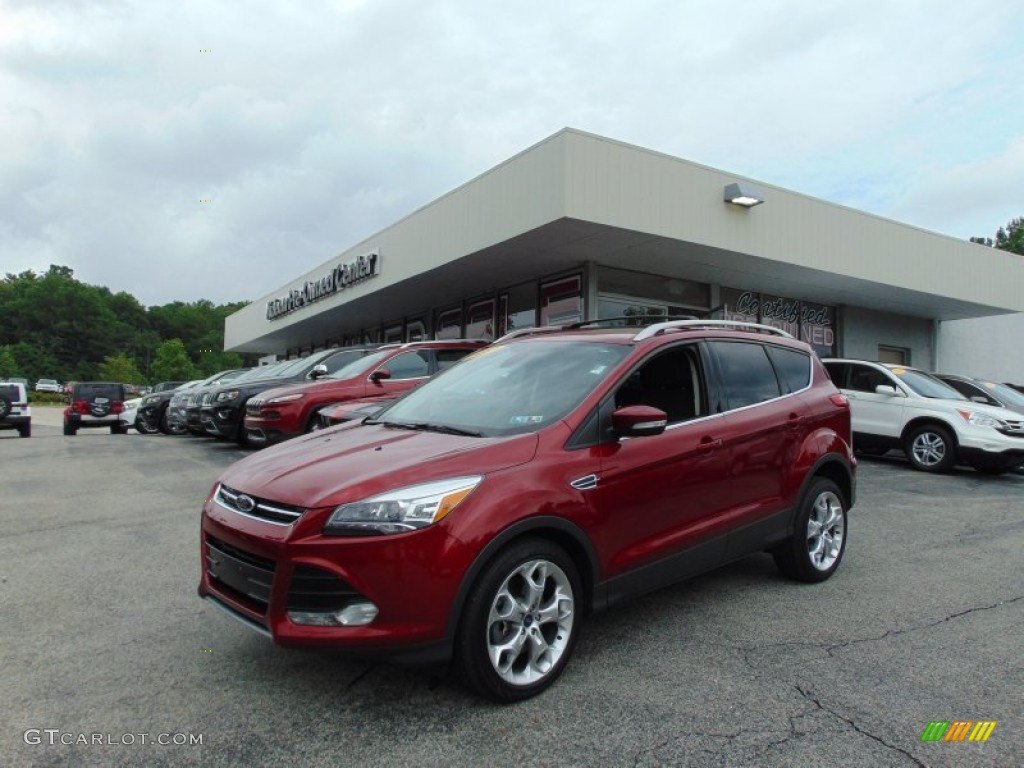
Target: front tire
(520, 622)
(931, 448)
(819, 541)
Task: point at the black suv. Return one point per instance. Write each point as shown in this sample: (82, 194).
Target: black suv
(96, 404)
(223, 410)
(15, 412)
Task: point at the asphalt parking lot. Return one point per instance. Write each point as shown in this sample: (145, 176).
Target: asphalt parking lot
(102, 635)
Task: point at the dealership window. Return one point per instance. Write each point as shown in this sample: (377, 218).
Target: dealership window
(808, 321)
(518, 308)
(415, 330)
(896, 355)
(561, 301)
(448, 324)
(480, 320)
(393, 334)
(678, 297)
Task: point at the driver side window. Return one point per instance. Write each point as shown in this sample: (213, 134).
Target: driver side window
(669, 381)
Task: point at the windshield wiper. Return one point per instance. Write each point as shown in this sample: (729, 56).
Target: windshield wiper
(427, 427)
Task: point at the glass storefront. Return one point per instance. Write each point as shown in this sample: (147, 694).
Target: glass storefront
(811, 322)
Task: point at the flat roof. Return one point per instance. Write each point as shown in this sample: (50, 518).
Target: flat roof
(575, 198)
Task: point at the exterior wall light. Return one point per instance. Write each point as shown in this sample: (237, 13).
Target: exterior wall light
(743, 194)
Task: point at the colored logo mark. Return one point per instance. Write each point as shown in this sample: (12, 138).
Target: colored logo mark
(958, 730)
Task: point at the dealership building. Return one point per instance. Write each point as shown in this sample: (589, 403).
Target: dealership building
(582, 227)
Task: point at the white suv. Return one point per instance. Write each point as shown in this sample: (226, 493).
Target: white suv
(15, 412)
(894, 406)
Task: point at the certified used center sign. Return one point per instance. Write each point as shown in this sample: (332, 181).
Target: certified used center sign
(338, 279)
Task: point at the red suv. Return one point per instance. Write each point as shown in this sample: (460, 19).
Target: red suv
(481, 516)
(283, 412)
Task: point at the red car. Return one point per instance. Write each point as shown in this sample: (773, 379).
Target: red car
(284, 412)
(483, 515)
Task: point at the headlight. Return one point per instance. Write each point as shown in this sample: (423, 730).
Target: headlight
(284, 399)
(223, 397)
(976, 419)
(150, 400)
(405, 509)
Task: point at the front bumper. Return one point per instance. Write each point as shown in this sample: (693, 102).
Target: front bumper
(259, 571)
(986, 445)
(221, 420)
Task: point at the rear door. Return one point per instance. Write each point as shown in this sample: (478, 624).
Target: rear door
(767, 422)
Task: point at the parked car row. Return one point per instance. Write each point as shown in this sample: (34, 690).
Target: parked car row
(937, 420)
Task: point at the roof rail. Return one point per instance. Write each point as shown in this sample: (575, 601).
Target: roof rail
(530, 332)
(659, 328)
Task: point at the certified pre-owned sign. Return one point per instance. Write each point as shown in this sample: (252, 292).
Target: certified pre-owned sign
(338, 279)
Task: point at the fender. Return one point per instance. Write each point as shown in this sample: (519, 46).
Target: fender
(514, 531)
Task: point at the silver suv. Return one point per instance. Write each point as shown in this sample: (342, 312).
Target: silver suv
(895, 406)
(15, 412)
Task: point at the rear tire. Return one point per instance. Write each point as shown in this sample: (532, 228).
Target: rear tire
(520, 622)
(25, 430)
(69, 430)
(5, 406)
(931, 448)
(818, 543)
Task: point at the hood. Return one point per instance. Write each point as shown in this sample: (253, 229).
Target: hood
(995, 411)
(323, 385)
(354, 462)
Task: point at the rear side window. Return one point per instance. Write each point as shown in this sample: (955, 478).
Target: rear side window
(837, 372)
(446, 358)
(747, 374)
(792, 366)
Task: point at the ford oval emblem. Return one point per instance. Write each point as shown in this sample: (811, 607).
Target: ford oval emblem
(245, 503)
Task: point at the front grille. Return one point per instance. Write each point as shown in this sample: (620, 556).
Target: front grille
(208, 398)
(315, 589)
(252, 407)
(193, 400)
(243, 576)
(1014, 428)
(271, 511)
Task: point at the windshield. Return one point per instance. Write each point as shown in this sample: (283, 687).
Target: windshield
(360, 365)
(509, 389)
(926, 385)
(1005, 394)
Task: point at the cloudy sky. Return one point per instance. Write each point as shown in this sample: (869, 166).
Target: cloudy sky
(311, 124)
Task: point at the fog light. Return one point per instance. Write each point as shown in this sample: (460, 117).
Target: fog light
(355, 615)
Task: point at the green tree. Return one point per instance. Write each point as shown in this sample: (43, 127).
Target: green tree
(8, 365)
(119, 368)
(172, 363)
(1008, 238)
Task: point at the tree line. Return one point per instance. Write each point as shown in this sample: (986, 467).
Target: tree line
(55, 326)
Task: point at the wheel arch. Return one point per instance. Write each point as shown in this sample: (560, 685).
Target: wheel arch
(557, 530)
(924, 421)
(834, 468)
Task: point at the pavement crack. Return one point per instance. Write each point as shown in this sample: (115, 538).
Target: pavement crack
(810, 697)
(830, 647)
(360, 676)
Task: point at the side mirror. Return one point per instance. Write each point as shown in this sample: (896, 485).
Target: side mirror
(379, 374)
(318, 371)
(887, 389)
(639, 421)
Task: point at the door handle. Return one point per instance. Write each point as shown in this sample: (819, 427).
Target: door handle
(708, 444)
